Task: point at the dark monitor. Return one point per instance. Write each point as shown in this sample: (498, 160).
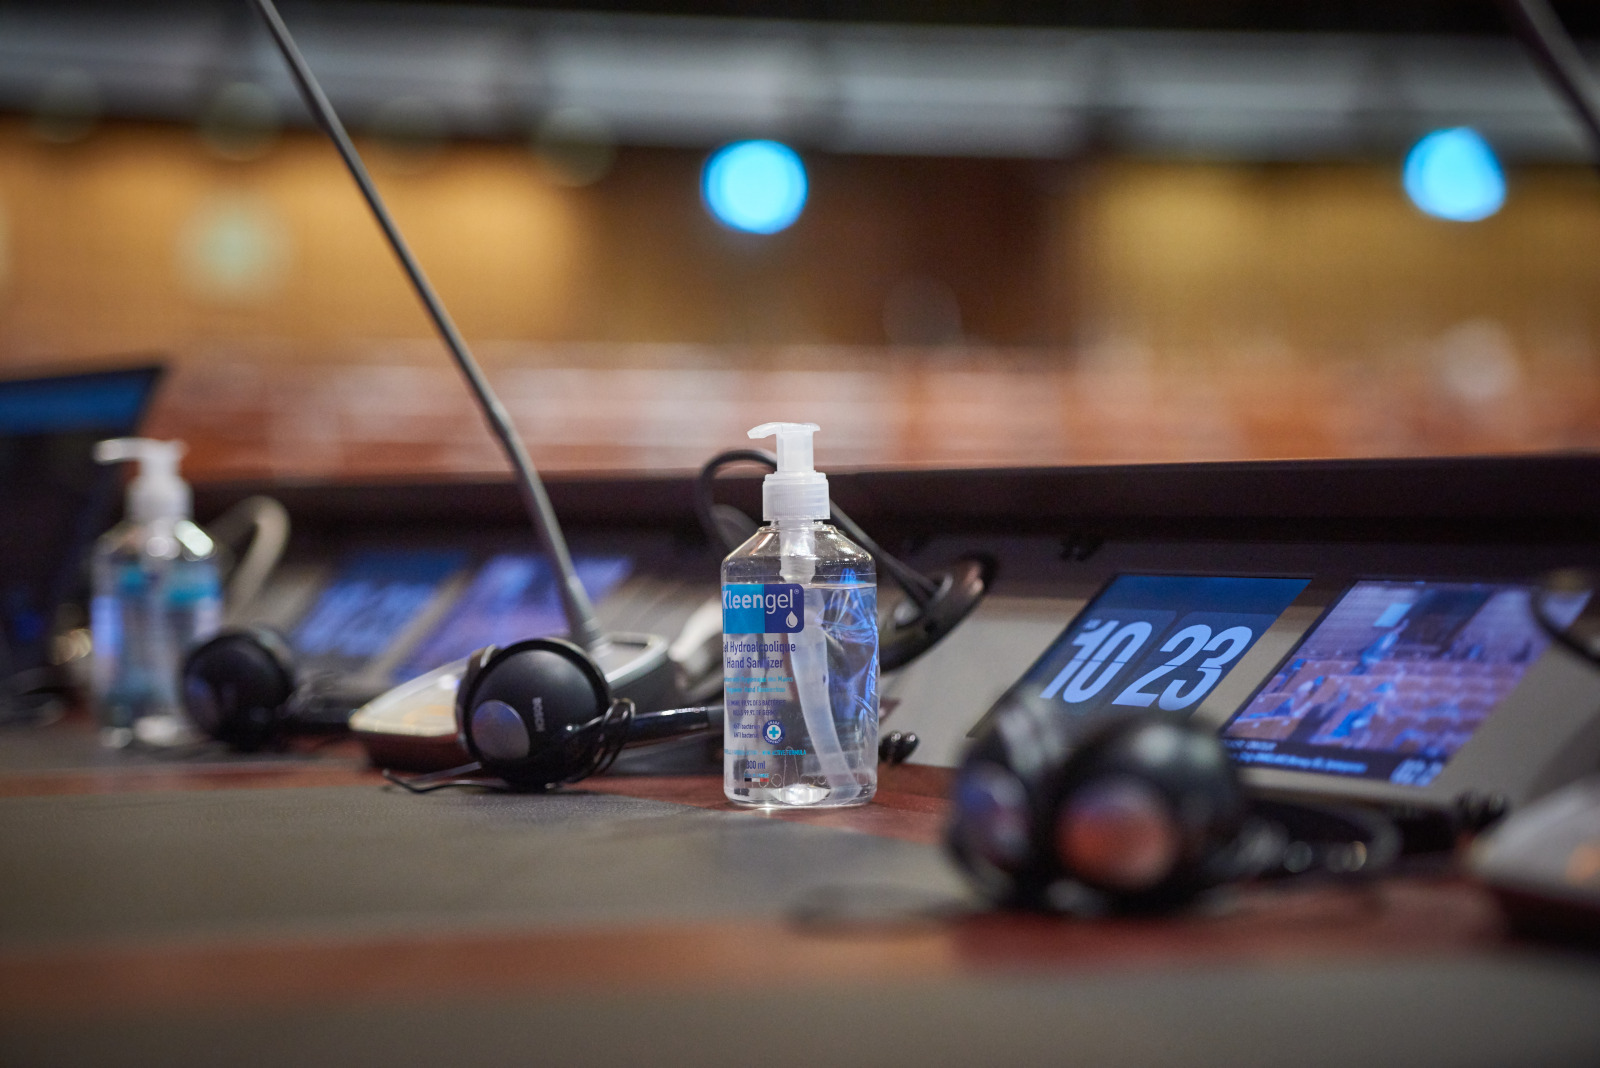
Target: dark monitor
(54, 498)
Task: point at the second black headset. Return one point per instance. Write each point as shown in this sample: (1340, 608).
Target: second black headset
(1139, 814)
(242, 687)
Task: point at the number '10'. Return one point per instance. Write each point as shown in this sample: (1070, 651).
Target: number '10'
(1105, 648)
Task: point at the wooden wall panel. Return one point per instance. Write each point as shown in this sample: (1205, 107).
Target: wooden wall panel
(1105, 309)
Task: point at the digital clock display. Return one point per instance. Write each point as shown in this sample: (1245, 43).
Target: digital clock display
(1152, 642)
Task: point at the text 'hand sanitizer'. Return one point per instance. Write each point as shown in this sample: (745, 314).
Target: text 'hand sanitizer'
(800, 647)
(156, 593)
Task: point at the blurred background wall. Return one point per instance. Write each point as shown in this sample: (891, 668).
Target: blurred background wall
(1075, 236)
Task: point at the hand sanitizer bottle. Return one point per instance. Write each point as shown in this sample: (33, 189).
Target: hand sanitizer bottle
(156, 593)
(800, 647)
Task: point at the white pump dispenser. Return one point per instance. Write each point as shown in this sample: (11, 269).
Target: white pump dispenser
(156, 593)
(796, 490)
(156, 492)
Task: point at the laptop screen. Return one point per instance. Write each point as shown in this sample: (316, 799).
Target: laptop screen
(54, 499)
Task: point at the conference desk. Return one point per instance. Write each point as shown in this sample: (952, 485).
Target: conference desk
(297, 909)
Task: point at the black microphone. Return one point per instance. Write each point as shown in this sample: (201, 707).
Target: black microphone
(636, 664)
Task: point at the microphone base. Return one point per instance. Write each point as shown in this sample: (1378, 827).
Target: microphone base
(637, 667)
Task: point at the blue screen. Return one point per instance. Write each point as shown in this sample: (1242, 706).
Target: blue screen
(374, 595)
(1152, 642)
(107, 402)
(1392, 681)
(512, 597)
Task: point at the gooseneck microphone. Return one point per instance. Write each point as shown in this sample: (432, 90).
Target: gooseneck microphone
(542, 712)
(582, 625)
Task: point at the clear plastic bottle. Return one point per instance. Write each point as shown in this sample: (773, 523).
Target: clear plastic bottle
(800, 647)
(156, 593)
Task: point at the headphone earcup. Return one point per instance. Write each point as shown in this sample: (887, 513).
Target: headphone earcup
(1141, 813)
(1144, 813)
(237, 686)
(534, 713)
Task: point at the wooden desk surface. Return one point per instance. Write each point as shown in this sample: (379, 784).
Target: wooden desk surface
(74, 988)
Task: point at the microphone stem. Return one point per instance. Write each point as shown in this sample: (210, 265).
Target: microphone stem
(1551, 47)
(583, 626)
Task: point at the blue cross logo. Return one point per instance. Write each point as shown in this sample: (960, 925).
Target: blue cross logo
(774, 731)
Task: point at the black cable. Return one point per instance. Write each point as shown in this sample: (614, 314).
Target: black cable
(439, 780)
(919, 587)
(1547, 41)
(1338, 841)
(705, 492)
(613, 735)
(585, 629)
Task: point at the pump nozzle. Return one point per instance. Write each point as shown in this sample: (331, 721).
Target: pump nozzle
(156, 492)
(796, 490)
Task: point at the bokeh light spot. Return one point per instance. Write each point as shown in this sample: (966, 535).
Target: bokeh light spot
(755, 186)
(234, 248)
(575, 146)
(1453, 174)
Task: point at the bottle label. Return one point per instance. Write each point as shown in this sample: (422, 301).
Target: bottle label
(756, 619)
(800, 689)
(193, 585)
(772, 608)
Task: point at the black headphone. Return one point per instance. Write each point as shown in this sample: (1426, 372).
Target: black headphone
(539, 713)
(241, 687)
(1140, 814)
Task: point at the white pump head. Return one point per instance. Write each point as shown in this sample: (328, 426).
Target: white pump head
(156, 492)
(796, 490)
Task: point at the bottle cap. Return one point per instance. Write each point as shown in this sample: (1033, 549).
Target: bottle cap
(796, 490)
(156, 492)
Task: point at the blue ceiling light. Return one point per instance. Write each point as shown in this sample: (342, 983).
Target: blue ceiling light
(1453, 174)
(755, 186)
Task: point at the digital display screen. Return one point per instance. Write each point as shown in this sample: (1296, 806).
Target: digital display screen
(1152, 642)
(373, 597)
(1392, 681)
(512, 597)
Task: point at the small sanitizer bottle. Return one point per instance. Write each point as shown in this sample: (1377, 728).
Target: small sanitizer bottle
(156, 593)
(800, 647)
